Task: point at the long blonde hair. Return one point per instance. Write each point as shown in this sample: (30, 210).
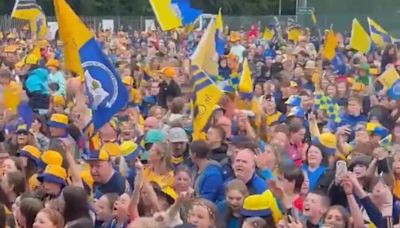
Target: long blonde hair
(164, 150)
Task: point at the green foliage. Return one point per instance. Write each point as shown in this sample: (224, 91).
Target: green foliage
(143, 8)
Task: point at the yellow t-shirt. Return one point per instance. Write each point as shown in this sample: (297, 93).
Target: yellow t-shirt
(33, 182)
(274, 118)
(163, 181)
(11, 95)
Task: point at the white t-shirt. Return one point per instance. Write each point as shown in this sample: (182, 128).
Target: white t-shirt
(238, 51)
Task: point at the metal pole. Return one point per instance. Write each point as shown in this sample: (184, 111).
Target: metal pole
(280, 7)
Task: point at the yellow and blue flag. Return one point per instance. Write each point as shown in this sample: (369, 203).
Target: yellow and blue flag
(390, 81)
(206, 97)
(205, 56)
(219, 40)
(378, 34)
(326, 104)
(173, 14)
(245, 87)
(359, 40)
(107, 95)
(386, 141)
(389, 78)
(31, 11)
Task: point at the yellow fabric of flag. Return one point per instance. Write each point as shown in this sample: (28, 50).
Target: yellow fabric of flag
(359, 40)
(330, 44)
(205, 56)
(166, 16)
(73, 33)
(219, 23)
(389, 77)
(268, 34)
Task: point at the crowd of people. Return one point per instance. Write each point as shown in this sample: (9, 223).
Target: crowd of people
(312, 147)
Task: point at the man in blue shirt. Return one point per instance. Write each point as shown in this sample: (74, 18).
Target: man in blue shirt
(106, 179)
(244, 167)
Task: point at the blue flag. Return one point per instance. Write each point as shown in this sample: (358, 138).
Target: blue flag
(187, 13)
(338, 64)
(107, 95)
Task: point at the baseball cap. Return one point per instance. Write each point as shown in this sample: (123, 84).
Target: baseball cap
(153, 136)
(177, 134)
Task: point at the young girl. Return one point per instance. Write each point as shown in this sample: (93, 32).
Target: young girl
(202, 214)
(47, 218)
(229, 209)
(104, 209)
(337, 216)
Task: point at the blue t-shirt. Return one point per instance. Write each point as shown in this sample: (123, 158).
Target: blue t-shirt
(256, 185)
(313, 176)
(232, 221)
(115, 185)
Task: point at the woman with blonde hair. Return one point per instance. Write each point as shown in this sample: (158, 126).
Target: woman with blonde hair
(268, 161)
(159, 168)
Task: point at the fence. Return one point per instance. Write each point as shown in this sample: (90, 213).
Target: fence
(340, 21)
(138, 23)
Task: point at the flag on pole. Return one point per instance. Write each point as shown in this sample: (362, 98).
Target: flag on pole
(313, 17)
(29, 10)
(329, 47)
(268, 34)
(245, 87)
(378, 34)
(103, 87)
(389, 77)
(173, 14)
(206, 96)
(294, 34)
(205, 56)
(219, 40)
(359, 40)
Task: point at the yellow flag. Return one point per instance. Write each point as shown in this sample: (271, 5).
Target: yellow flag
(219, 24)
(207, 96)
(330, 44)
(359, 40)
(73, 33)
(245, 87)
(294, 34)
(166, 16)
(205, 56)
(268, 34)
(313, 17)
(389, 77)
(245, 83)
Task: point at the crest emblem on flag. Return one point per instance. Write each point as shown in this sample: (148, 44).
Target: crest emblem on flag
(98, 96)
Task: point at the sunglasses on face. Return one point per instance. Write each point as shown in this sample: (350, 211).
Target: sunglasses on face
(147, 146)
(22, 132)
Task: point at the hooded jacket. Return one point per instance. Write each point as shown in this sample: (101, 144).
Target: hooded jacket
(35, 85)
(209, 183)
